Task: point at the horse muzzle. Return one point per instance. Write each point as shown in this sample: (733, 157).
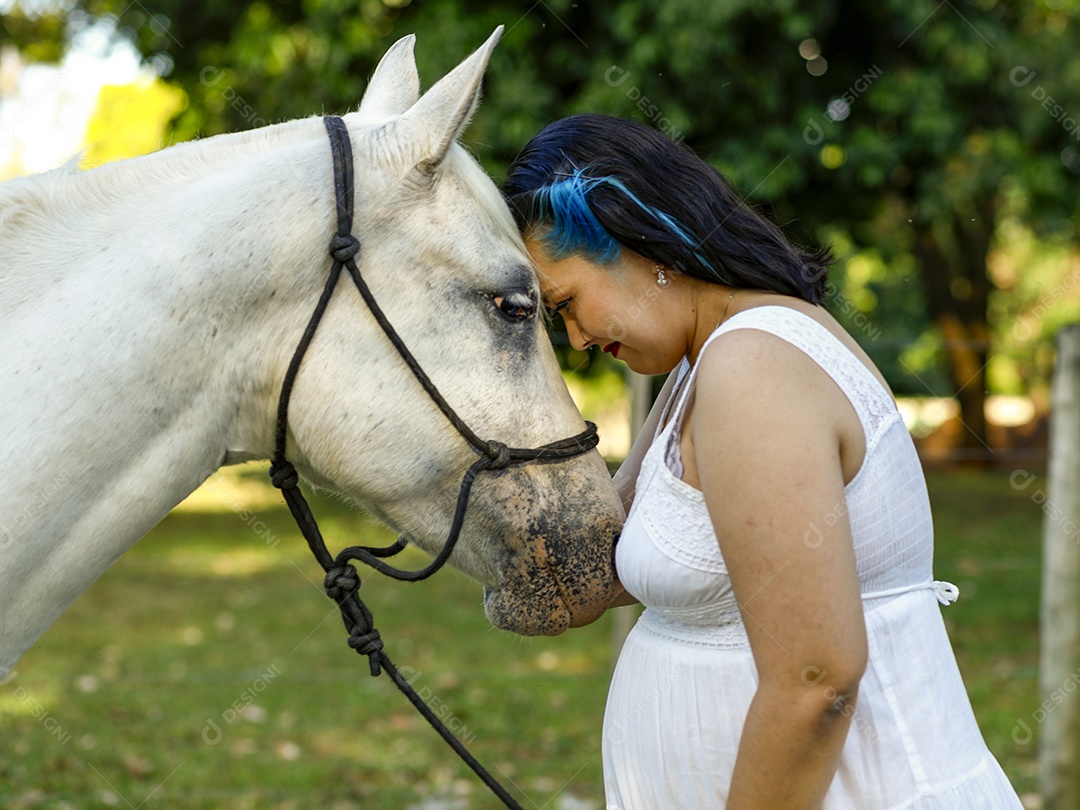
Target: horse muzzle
(564, 579)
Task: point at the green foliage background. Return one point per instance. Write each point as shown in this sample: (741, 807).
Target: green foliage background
(935, 149)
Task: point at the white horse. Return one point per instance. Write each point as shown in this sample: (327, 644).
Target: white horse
(149, 308)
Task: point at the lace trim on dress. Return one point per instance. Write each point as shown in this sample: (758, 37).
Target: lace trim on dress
(729, 635)
(673, 508)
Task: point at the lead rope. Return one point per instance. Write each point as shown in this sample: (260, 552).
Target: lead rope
(342, 583)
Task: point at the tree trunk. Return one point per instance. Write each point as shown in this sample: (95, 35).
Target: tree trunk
(957, 291)
(1059, 713)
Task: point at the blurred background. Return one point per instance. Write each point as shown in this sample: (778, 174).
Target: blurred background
(934, 143)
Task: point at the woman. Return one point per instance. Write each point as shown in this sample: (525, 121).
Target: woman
(792, 653)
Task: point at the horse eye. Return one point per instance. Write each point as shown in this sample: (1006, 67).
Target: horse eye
(517, 305)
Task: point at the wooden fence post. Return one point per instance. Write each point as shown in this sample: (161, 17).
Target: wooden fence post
(1059, 737)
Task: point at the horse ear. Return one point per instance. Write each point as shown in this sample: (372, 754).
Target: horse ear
(440, 116)
(395, 85)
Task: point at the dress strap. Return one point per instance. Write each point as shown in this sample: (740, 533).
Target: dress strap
(946, 592)
(681, 372)
(872, 402)
(684, 385)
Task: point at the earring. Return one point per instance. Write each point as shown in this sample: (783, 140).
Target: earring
(661, 279)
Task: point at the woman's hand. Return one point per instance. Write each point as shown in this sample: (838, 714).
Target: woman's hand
(623, 597)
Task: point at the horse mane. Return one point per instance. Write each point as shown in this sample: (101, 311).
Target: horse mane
(483, 189)
(68, 190)
(31, 207)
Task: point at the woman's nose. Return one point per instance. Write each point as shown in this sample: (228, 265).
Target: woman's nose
(579, 339)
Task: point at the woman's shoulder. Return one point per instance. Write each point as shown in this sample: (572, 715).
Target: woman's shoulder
(754, 383)
(754, 339)
(748, 366)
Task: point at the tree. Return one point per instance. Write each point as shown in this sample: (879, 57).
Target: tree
(906, 129)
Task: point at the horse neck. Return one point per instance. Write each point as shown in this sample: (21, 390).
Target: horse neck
(150, 342)
(144, 345)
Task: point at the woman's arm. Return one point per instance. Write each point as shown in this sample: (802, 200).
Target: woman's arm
(767, 428)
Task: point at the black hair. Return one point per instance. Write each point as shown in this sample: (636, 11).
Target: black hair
(590, 184)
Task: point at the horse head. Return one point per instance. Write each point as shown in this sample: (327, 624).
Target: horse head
(443, 259)
(149, 309)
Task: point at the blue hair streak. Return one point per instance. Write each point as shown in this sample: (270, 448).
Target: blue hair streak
(575, 229)
(692, 220)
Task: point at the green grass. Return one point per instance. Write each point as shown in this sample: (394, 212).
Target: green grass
(205, 615)
(989, 543)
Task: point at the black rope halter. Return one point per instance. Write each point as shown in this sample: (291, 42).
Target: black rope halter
(342, 582)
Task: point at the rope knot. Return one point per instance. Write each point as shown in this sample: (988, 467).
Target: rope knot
(499, 454)
(340, 582)
(284, 476)
(366, 643)
(343, 248)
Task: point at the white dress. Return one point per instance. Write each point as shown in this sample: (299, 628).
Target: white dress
(686, 675)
